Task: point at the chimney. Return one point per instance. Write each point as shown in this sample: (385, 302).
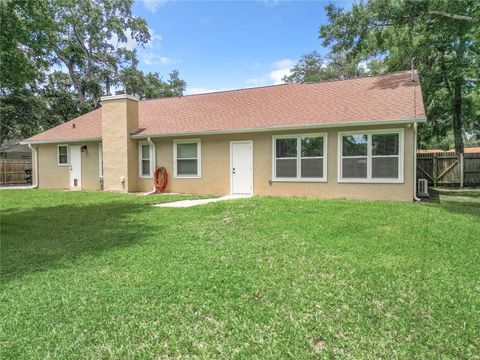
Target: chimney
(119, 119)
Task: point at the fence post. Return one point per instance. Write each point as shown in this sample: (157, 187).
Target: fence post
(434, 170)
(462, 170)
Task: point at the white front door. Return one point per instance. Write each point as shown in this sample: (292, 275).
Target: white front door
(75, 167)
(241, 160)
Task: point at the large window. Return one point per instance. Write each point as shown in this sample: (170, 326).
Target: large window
(145, 159)
(371, 156)
(62, 155)
(186, 158)
(299, 157)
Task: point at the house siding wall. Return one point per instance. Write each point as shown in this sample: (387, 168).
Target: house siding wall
(216, 169)
(53, 176)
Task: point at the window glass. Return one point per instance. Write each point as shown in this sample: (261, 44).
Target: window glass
(312, 146)
(286, 148)
(355, 145)
(286, 168)
(145, 151)
(385, 144)
(145, 167)
(187, 151)
(63, 154)
(186, 167)
(354, 168)
(312, 168)
(385, 167)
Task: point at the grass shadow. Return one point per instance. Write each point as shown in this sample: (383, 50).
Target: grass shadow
(455, 202)
(40, 238)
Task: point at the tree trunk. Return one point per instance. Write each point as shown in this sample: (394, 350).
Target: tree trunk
(457, 116)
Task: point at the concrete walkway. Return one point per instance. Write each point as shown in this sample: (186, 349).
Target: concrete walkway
(189, 203)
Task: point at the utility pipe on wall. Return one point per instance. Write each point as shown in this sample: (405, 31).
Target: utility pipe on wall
(415, 198)
(154, 160)
(35, 158)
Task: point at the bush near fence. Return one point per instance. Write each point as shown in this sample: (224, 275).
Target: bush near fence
(15, 172)
(445, 168)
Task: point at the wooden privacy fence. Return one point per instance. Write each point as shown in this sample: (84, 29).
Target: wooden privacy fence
(449, 168)
(15, 172)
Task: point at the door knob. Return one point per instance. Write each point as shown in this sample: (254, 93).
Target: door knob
(233, 171)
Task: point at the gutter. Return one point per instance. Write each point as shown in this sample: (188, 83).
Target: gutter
(59, 141)
(415, 198)
(154, 159)
(281, 128)
(35, 156)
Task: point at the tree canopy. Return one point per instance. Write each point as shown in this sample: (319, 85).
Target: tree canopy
(58, 57)
(440, 37)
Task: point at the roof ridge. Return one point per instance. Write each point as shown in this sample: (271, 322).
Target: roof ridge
(279, 85)
(222, 91)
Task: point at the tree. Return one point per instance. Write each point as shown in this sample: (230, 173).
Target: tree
(58, 57)
(441, 36)
(150, 85)
(312, 67)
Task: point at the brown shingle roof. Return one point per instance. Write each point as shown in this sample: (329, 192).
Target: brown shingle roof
(87, 126)
(379, 98)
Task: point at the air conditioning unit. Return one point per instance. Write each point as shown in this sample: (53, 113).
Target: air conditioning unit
(422, 187)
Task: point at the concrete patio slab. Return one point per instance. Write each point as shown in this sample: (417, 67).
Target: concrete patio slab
(189, 203)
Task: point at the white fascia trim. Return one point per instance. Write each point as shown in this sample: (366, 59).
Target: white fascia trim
(118, 97)
(282, 128)
(61, 141)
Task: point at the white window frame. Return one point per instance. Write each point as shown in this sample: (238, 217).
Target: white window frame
(299, 157)
(58, 155)
(100, 160)
(369, 156)
(150, 147)
(199, 158)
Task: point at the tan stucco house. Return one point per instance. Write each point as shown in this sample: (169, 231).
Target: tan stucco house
(339, 139)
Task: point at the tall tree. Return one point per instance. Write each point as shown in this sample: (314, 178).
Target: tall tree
(150, 85)
(312, 67)
(441, 36)
(57, 57)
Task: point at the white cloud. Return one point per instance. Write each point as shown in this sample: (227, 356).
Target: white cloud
(277, 75)
(201, 90)
(282, 64)
(149, 58)
(274, 77)
(271, 3)
(154, 39)
(153, 5)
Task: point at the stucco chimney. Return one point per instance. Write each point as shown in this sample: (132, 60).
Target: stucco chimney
(119, 118)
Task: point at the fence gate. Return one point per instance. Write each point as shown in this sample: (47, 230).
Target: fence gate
(449, 168)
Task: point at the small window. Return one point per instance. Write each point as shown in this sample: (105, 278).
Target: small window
(374, 156)
(299, 157)
(62, 155)
(187, 158)
(145, 162)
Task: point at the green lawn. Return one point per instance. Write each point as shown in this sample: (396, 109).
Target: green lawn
(97, 275)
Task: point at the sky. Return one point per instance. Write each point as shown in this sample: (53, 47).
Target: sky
(222, 45)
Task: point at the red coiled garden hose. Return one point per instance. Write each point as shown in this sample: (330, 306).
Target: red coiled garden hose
(160, 184)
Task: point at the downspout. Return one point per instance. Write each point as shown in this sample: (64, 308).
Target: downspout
(35, 156)
(154, 159)
(415, 198)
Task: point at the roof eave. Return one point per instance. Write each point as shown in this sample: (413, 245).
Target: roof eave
(59, 141)
(283, 128)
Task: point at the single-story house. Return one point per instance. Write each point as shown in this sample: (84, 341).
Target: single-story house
(337, 139)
